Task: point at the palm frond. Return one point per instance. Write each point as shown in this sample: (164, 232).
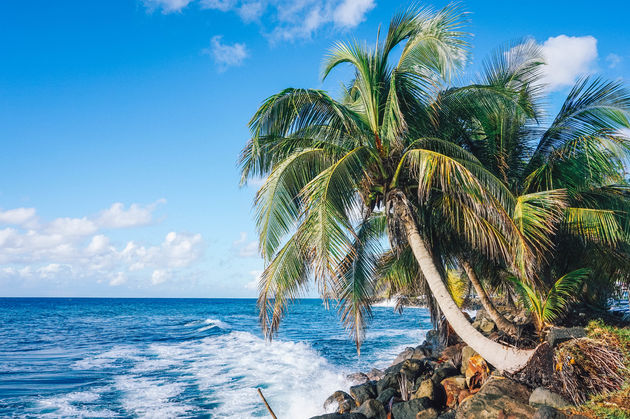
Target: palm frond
(277, 202)
(591, 106)
(562, 292)
(598, 225)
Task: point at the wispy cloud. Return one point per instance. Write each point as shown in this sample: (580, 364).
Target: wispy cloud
(226, 55)
(166, 6)
(282, 19)
(245, 248)
(613, 60)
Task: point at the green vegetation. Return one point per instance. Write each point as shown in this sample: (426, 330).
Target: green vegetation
(445, 175)
(547, 307)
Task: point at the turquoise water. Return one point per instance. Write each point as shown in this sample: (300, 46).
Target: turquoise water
(159, 358)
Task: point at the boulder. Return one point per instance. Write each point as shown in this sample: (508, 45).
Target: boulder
(386, 396)
(341, 416)
(463, 395)
(375, 374)
(409, 410)
(467, 352)
(432, 342)
(429, 413)
(340, 401)
(372, 409)
(426, 389)
(499, 397)
(547, 412)
(444, 371)
(561, 334)
(543, 397)
(452, 387)
(406, 354)
(388, 381)
(422, 351)
(447, 415)
(453, 353)
(363, 392)
(357, 378)
(486, 326)
(412, 368)
(481, 315)
(477, 372)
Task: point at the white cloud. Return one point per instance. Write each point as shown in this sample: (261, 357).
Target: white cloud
(18, 216)
(253, 284)
(117, 216)
(245, 248)
(66, 248)
(613, 60)
(226, 55)
(167, 6)
(566, 58)
(159, 276)
(352, 12)
(118, 279)
(71, 227)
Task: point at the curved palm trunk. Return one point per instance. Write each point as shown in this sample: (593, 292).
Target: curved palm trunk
(498, 318)
(500, 356)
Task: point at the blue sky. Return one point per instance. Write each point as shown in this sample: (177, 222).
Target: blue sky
(121, 124)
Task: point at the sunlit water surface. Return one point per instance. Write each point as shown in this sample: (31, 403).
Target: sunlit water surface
(182, 357)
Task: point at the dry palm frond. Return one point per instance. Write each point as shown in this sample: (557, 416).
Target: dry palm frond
(585, 367)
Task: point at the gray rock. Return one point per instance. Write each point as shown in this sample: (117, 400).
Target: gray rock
(444, 371)
(388, 381)
(499, 396)
(412, 368)
(357, 378)
(543, 397)
(429, 413)
(547, 412)
(385, 396)
(426, 389)
(409, 410)
(406, 354)
(558, 335)
(372, 409)
(339, 401)
(447, 415)
(363, 392)
(467, 353)
(375, 374)
(487, 326)
(341, 416)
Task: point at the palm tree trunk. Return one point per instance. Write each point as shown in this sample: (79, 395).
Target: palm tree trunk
(498, 318)
(500, 356)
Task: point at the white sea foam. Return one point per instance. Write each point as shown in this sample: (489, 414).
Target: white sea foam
(109, 358)
(227, 370)
(76, 405)
(151, 398)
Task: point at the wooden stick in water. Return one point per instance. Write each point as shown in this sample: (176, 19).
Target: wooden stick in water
(273, 415)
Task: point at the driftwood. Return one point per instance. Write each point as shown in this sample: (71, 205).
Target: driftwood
(273, 415)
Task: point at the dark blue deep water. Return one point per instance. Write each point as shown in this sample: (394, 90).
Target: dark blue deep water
(160, 358)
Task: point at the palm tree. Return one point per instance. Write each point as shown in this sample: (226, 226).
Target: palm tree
(580, 155)
(343, 175)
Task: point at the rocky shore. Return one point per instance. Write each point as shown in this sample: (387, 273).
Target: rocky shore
(431, 381)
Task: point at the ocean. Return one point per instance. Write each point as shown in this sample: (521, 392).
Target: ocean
(189, 358)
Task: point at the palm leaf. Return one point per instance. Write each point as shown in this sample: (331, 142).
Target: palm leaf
(562, 292)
